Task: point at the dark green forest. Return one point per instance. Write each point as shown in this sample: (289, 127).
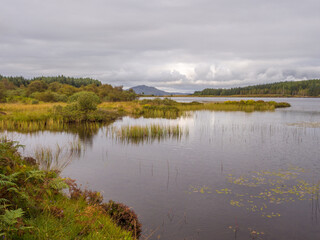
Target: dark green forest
(57, 89)
(306, 88)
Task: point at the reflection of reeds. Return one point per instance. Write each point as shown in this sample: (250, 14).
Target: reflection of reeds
(45, 125)
(305, 124)
(31, 126)
(137, 134)
(57, 159)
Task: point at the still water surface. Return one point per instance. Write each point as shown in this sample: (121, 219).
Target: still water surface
(191, 188)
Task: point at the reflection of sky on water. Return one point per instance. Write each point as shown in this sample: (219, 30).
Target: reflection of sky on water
(128, 121)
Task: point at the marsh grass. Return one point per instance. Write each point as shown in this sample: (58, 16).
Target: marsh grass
(243, 105)
(49, 125)
(167, 108)
(149, 133)
(49, 116)
(56, 117)
(169, 112)
(58, 158)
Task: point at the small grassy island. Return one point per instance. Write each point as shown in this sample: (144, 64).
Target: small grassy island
(34, 203)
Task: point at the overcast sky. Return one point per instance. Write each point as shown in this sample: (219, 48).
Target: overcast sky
(175, 45)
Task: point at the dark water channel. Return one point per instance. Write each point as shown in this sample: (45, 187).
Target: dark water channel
(234, 175)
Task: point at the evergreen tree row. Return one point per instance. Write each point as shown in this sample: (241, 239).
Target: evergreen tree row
(293, 88)
(76, 82)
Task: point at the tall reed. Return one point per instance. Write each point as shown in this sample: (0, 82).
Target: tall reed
(138, 134)
(58, 158)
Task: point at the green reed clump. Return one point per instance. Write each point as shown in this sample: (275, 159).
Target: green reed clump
(280, 104)
(159, 111)
(137, 134)
(31, 126)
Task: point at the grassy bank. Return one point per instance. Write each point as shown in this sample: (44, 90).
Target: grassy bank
(243, 105)
(61, 116)
(51, 116)
(34, 205)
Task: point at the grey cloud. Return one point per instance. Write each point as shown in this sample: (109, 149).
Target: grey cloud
(178, 44)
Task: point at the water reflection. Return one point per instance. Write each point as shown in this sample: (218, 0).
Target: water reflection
(155, 178)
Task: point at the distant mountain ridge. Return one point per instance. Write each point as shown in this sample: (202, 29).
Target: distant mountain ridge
(147, 90)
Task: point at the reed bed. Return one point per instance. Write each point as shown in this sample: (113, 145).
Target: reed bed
(46, 125)
(32, 126)
(50, 116)
(161, 113)
(138, 134)
(128, 107)
(243, 105)
(58, 158)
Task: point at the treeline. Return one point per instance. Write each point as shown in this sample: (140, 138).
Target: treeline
(297, 88)
(57, 89)
(76, 82)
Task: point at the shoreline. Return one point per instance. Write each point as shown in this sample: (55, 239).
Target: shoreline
(231, 96)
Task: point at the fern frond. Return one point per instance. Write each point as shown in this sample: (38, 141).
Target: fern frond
(35, 175)
(58, 184)
(5, 183)
(10, 217)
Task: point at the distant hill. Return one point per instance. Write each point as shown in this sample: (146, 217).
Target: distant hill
(146, 90)
(309, 88)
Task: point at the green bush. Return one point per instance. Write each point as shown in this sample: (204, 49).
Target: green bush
(46, 96)
(86, 101)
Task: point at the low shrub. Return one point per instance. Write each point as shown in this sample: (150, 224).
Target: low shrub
(124, 217)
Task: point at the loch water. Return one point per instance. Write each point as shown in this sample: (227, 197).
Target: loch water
(231, 175)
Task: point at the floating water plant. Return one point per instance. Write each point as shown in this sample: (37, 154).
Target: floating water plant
(260, 190)
(199, 189)
(273, 187)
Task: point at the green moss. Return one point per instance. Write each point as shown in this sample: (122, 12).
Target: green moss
(79, 221)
